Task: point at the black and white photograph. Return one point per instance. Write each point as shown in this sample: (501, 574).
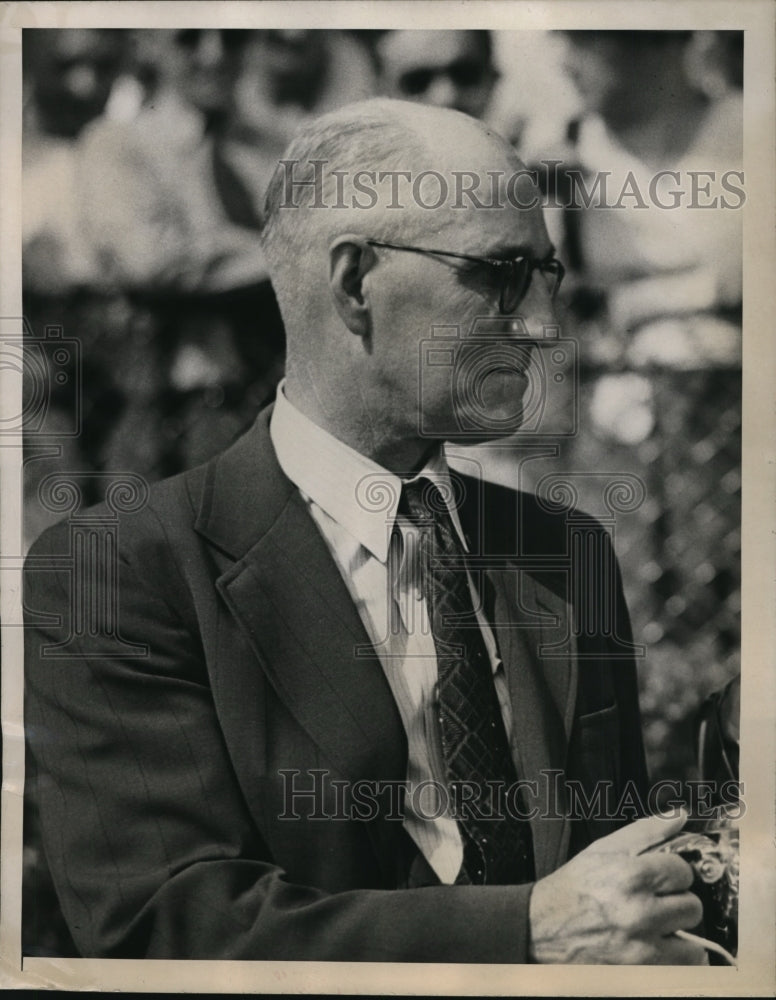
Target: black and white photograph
(386, 437)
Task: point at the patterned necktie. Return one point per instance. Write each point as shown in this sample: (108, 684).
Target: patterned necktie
(497, 850)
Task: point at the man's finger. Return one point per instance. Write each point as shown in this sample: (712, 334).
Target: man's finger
(664, 872)
(680, 911)
(644, 833)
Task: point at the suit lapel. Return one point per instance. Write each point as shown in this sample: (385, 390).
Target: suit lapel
(558, 650)
(290, 602)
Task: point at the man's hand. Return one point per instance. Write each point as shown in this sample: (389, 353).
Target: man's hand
(613, 905)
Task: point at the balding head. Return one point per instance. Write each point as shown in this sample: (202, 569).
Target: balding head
(373, 136)
(372, 168)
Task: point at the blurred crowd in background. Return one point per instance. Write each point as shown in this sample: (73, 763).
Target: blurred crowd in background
(146, 156)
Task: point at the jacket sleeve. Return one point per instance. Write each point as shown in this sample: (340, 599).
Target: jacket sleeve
(151, 847)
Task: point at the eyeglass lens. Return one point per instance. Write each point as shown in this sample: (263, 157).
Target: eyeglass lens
(518, 278)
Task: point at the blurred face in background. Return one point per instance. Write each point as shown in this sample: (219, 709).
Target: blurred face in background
(618, 74)
(204, 65)
(294, 52)
(73, 70)
(291, 64)
(448, 69)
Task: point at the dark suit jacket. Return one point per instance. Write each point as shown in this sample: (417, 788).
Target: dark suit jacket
(160, 784)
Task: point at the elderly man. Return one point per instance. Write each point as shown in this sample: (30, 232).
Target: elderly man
(325, 624)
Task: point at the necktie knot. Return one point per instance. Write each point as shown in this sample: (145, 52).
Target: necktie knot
(421, 501)
(438, 553)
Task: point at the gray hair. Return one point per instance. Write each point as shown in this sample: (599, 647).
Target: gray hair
(378, 134)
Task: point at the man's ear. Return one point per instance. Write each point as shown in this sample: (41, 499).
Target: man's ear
(350, 260)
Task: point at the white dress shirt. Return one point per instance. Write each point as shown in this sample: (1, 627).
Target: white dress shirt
(354, 501)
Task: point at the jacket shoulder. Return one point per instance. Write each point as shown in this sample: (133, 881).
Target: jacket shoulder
(165, 507)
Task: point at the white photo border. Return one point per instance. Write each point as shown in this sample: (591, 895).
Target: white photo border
(757, 950)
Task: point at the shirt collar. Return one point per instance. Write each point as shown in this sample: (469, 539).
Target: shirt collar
(353, 490)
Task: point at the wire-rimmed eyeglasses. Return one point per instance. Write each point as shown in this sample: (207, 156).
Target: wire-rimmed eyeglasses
(515, 273)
